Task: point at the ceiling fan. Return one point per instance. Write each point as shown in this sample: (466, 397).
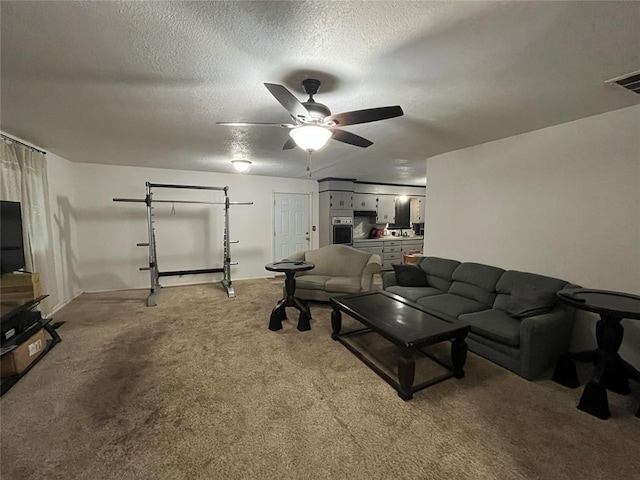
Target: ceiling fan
(313, 124)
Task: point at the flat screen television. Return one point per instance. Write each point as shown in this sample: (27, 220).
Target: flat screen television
(11, 245)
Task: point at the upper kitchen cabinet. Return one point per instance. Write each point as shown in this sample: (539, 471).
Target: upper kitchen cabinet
(417, 209)
(386, 209)
(335, 195)
(340, 200)
(365, 202)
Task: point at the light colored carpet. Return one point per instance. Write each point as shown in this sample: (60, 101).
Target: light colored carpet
(198, 387)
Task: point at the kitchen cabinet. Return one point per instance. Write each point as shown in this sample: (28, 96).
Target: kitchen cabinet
(365, 202)
(373, 247)
(390, 249)
(386, 209)
(391, 253)
(340, 200)
(417, 209)
(332, 203)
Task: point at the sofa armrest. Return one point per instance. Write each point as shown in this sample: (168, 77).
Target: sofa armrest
(389, 280)
(543, 338)
(374, 265)
(296, 257)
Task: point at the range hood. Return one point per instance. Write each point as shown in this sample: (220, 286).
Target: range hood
(365, 213)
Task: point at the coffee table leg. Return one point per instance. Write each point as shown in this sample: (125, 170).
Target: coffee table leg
(406, 373)
(336, 323)
(458, 356)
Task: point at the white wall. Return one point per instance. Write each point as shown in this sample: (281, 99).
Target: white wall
(563, 201)
(107, 232)
(61, 199)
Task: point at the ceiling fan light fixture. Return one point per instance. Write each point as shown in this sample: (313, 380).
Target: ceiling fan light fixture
(241, 165)
(310, 137)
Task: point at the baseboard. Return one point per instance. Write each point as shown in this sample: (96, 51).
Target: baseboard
(61, 305)
(179, 285)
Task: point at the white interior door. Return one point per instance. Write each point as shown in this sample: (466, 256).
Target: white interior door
(291, 224)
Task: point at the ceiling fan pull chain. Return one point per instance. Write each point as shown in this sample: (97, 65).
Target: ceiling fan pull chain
(173, 208)
(309, 162)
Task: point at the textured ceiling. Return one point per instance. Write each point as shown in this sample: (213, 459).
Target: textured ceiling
(143, 83)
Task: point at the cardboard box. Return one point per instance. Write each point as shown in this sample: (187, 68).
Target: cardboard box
(412, 257)
(18, 360)
(19, 286)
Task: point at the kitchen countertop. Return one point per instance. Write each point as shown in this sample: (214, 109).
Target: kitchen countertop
(388, 238)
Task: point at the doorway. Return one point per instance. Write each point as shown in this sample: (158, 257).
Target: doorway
(292, 213)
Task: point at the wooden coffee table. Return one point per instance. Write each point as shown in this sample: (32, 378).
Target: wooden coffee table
(408, 326)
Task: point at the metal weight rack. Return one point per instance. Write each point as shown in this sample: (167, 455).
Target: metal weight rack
(154, 271)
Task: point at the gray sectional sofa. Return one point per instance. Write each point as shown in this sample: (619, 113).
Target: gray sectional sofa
(514, 318)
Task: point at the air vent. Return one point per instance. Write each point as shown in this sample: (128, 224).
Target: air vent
(630, 82)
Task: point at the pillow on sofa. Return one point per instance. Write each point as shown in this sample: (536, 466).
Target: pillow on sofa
(410, 275)
(527, 301)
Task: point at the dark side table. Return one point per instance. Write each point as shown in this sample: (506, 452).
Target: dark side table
(610, 371)
(290, 268)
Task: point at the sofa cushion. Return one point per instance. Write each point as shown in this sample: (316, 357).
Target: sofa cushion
(476, 282)
(414, 293)
(439, 271)
(343, 284)
(527, 300)
(473, 292)
(311, 282)
(450, 304)
(495, 325)
(511, 278)
(484, 276)
(409, 275)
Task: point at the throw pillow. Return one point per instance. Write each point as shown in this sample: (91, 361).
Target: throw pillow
(410, 275)
(527, 301)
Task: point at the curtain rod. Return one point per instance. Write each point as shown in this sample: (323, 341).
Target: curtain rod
(24, 144)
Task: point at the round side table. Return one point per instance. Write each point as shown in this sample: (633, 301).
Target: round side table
(610, 372)
(290, 268)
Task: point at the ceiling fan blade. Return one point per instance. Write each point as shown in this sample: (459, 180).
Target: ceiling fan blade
(288, 100)
(289, 144)
(365, 116)
(350, 138)
(259, 124)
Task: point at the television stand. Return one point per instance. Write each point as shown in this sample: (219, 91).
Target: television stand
(20, 317)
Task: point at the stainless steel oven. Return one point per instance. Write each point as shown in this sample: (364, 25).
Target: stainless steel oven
(342, 230)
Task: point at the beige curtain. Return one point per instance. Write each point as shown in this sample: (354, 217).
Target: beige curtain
(23, 178)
